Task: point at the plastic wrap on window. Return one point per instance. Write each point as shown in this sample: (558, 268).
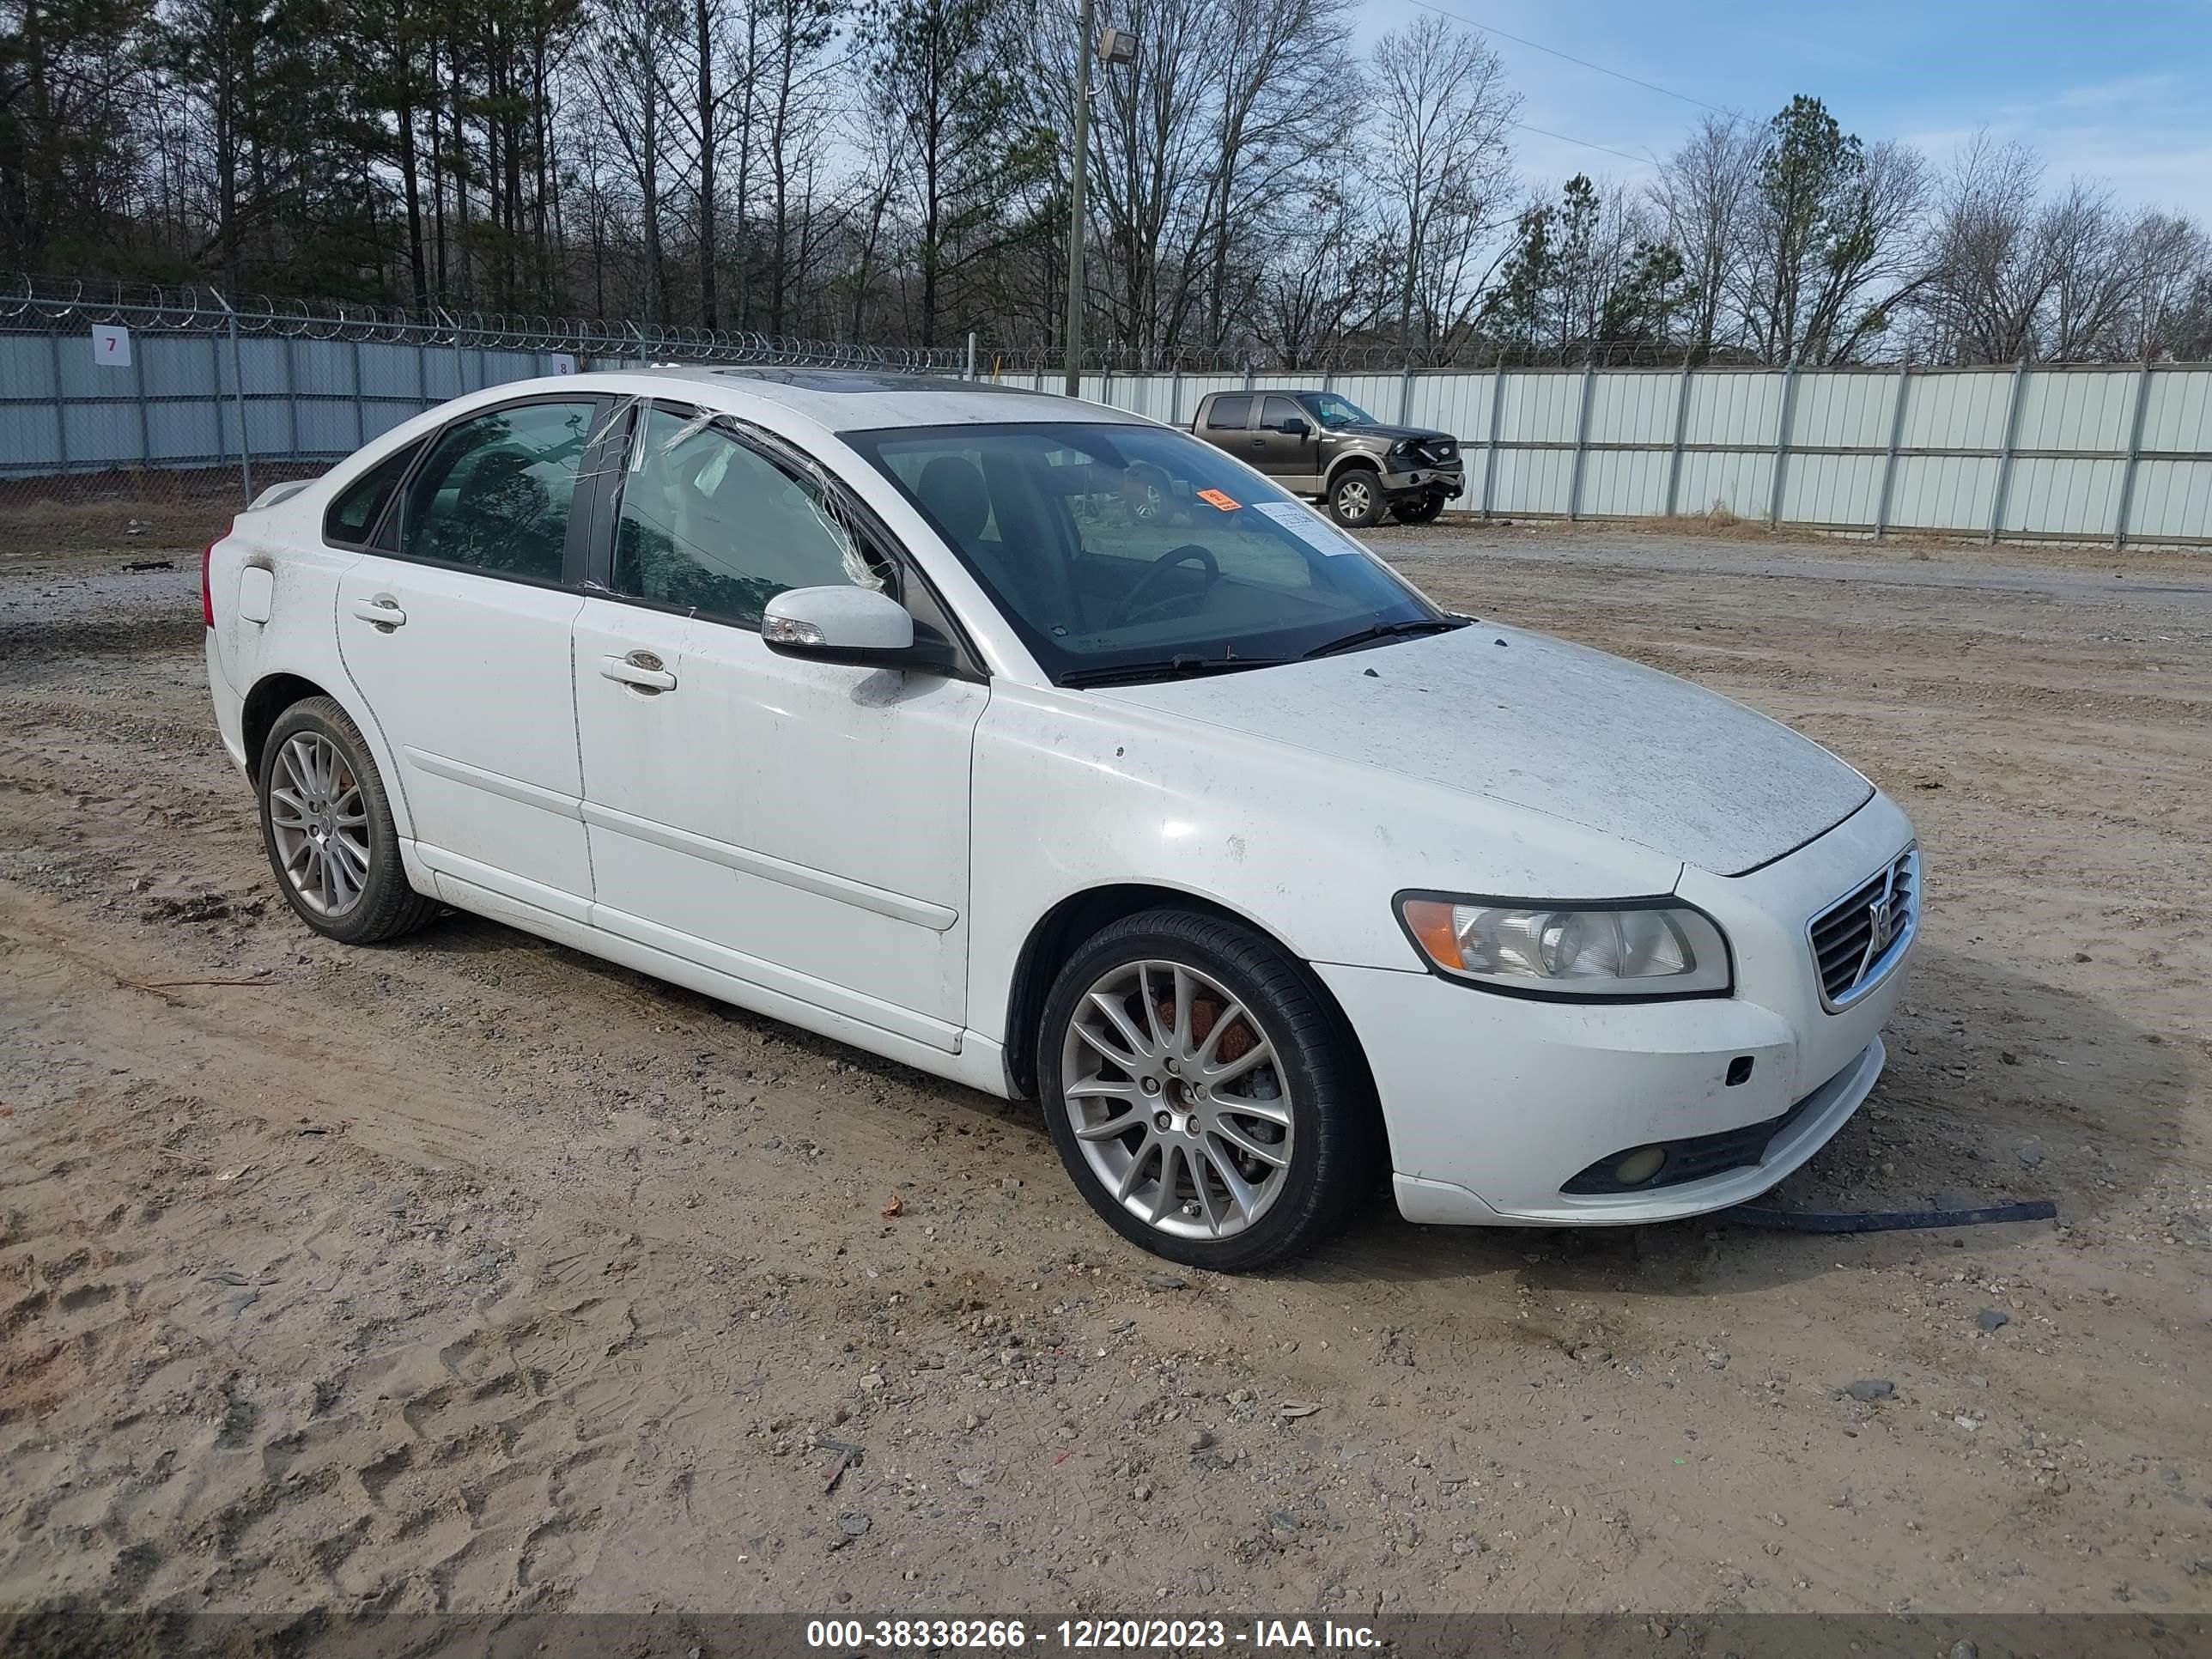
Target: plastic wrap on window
(819, 498)
(858, 570)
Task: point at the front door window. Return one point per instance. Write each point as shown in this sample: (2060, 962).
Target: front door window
(709, 525)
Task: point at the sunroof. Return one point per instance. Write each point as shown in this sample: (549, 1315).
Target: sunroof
(863, 380)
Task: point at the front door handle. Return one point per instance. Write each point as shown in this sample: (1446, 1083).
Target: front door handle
(641, 669)
(381, 611)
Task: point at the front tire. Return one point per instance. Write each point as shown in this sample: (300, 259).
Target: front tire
(327, 824)
(1204, 1096)
(1355, 499)
(1421, 509)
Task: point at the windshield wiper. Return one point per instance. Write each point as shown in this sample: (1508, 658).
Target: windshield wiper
(1181, 667)
(1389, 631)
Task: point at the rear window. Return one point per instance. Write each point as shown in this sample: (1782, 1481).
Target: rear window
(1229, 414)
(353, 518)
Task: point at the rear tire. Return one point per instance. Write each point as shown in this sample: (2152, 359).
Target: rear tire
(1355, 497)
(1247, 1131)
(327, 825)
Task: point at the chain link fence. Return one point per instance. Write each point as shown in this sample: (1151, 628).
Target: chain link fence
(135, 421)
(141, 419)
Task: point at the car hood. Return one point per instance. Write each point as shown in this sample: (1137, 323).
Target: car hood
(1387, 433)
(1552, 727)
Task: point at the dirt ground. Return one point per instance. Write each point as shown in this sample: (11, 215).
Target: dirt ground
(470, 1274)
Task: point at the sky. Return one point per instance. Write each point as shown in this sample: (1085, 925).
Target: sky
(2119, 91)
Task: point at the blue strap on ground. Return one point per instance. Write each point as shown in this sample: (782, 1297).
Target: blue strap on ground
(1885, 1221)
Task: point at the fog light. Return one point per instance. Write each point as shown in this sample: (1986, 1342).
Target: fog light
(1639, 1166)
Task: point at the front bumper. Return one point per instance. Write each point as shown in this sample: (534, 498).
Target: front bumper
(1448, 481)
(1496, 1105)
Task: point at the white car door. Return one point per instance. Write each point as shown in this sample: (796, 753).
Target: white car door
(457, 632)
(802, 826)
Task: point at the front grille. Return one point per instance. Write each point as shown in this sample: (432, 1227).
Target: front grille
(1856, 940)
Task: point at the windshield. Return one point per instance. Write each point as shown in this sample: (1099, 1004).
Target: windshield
(1333, 411)
(1120, 547)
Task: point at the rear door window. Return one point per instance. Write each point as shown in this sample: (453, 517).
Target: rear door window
(1229, 414)
(353, 518)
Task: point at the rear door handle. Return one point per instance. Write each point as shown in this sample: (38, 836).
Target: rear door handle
(381, 611)
(641, 669)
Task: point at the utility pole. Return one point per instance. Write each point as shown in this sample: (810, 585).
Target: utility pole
(1114, 46)
(1071, 383)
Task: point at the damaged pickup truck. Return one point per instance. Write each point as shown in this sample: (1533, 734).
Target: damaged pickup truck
(840, 697)
(1326, 448)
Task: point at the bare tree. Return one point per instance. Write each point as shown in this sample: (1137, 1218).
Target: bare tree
(1445, 164)
(1308, 289)
(1288, 97)
(1703, 193)
(2167, 259)
(1994, 256)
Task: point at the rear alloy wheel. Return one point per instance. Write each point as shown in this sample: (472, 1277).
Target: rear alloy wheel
(328, 827)
(1355, 499)
(1202, 1095)
(1418, 509)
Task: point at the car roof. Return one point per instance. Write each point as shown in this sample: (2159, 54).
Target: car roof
(862, 399)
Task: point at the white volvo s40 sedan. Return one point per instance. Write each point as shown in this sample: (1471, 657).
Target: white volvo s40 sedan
(1051, 750)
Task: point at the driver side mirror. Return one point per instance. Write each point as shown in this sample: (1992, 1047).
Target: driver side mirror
(1296, 428)
(856, 626)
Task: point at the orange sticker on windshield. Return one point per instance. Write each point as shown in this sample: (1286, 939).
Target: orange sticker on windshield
(1221, 499)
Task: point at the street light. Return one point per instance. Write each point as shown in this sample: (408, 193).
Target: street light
(1114, 46)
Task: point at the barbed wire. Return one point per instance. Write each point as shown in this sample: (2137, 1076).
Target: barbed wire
(43, 304)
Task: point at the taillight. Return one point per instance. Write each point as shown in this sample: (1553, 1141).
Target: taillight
(207, 575)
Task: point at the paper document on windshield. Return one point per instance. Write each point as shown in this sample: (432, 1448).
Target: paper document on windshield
(1309, 527)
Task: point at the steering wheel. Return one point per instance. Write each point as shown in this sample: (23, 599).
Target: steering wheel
(1189, 553)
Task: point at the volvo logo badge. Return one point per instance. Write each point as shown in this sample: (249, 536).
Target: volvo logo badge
(1881, 917)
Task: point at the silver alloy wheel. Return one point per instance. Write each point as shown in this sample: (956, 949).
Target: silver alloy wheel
(320, 822)
(1148, 502)
(1353, 498)
(1177, 1100)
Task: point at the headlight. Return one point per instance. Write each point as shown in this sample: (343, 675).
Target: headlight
(1641, 948)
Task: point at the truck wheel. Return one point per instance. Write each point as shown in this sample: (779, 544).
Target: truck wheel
(1418, 509)
(1355, 499)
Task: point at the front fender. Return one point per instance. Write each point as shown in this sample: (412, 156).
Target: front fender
(1364, 458)
(1073, 793)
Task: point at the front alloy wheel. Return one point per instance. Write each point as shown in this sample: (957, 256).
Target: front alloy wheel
(1202, 1094)
(1355, 499)
(1177, 1100)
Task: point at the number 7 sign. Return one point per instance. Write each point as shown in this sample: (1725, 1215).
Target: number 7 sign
(111, 346)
